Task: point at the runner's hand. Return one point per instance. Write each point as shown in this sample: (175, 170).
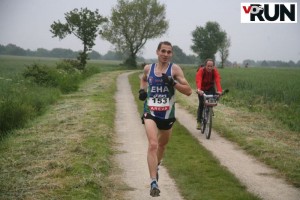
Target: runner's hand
(168, 80)
(142, 95)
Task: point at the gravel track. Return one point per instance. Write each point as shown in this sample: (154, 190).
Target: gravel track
(258, 178)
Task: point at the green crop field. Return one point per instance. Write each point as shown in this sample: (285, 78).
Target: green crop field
(274, 92)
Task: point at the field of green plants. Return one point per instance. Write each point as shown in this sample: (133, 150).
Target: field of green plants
(268, 92)
(29, 85)
(273, 92)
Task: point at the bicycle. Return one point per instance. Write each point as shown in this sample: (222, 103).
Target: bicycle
(210, 101)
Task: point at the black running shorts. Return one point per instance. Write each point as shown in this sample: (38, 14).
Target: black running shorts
(162, 124)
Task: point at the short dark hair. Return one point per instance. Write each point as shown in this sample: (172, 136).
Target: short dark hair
(165, 43)
(209, 59)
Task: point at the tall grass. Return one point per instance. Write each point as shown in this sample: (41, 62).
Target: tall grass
(274, 92)
(66, 153)
(22, 99)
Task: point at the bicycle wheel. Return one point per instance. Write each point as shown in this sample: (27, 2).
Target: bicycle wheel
(204, 120)
(208, 125)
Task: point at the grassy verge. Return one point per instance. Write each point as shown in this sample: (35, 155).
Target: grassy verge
(66, 153)
(23, 99)
(196, 172)
(261, 137)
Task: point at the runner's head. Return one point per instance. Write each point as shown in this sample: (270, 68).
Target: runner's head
(164, 51)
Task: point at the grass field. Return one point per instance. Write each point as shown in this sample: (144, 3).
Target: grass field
(67, 152)
(261, 114)
(33, 163)
(273, 92)
(22, 100)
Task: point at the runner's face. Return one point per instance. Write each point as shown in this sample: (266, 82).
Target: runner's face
(164, 53)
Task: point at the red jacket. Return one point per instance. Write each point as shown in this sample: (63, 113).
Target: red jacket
(206, 80)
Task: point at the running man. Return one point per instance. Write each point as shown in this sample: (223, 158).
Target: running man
(157, 88)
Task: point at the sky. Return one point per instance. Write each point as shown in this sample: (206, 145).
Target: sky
(26, 23)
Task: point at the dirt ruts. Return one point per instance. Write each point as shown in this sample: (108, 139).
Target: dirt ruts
(258, 178)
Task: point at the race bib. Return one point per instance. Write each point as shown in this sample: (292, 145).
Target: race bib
(159, 103)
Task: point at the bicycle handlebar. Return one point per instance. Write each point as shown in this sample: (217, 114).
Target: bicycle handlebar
(215, 95)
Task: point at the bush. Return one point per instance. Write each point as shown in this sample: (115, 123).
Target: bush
(69, 82)
(21, 102)
(65, 76)
(42, 75)
(14, 115)
(69, 65)
(89, 71)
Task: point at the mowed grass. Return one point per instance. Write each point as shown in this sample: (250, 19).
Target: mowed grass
(195, 170)
(67, 152)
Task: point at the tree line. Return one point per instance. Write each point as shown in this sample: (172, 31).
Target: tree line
(178, 57)
(12, 49)
(270, 63)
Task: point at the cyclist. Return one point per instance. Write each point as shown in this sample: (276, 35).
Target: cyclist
(157, 89)
(207, 78)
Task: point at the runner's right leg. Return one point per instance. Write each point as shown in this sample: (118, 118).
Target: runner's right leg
(152, 135)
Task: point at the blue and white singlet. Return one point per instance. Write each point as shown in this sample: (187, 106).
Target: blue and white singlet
(160, 102)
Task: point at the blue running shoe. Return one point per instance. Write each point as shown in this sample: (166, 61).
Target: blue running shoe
(154, 191)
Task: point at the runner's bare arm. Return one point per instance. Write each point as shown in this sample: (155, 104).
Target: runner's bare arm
(182, 84)
(143, 81)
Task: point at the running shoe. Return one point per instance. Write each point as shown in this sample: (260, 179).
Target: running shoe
(154, 191)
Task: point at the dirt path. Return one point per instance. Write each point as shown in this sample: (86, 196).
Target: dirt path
(133, 143)
(253, 174)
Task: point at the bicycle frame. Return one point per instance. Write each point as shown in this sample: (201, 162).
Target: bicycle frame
(209, 102)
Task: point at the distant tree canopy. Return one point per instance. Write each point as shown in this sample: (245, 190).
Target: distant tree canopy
(132, 24)
(84, 24)
(178, 56)
(12, 49)
(207, 40)
(224, 50)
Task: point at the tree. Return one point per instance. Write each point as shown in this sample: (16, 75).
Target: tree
(180, 57)
(224, 50)
(111, 55)
(207, 40)
(84, 24)
(132, 24)
(95, 55)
